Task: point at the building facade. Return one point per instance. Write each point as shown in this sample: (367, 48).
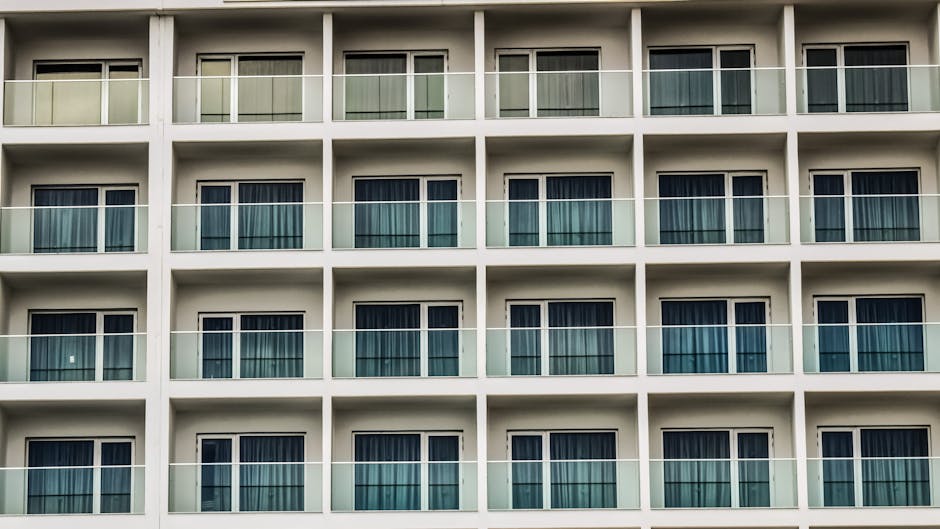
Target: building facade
(625, 265)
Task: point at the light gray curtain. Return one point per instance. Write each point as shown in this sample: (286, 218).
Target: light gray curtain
(58, 228)
(376, 86)
(685, 86)
(263, 95)
(567, 83)
(513, 85)
(429, 86)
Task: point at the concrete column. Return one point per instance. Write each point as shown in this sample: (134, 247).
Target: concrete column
(327, 67)
(788, 28)
(479, 65)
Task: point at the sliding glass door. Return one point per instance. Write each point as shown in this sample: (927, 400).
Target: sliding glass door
(857, 78)
(696, 209)
(700, 81)
(79, 476)
(565, 83)
(562, 210)
(252, 346)
(716, 468)
(714, 336)
(406, 212)
(68, 220)
(265, 216)
(88, 93)
(396, 85)
(870, 334)
(81, 346)
(407, 340)
(580, 470)
(269, 475)
(882, 206)
(247, 88)
(561, 338)
(407, 471)
(881, 467)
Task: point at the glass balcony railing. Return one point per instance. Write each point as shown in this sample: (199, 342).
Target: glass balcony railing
(717, 220)
(405, 486)
(873, 482)
(75, 102)
(869, 218)
(370, 353)
(715, 92)
(853, 89)
(723, 484)
(73, 357)
(871, 347)
(719, 349)
(72, 490)
(567, 222)
(563, 484)
(400, 96)
(589, 93)
(245, 487)
(568, 351)
(205, 355)
(73, 229)
(248, 99)
(404, 224)
(244, 227)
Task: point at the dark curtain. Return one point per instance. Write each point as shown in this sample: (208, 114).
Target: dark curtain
(822, 80)
(116, 477)
(217, 346)
(62, 347)
(753, 470)
(271, 473)
(388, 472)
(58, 228)
(895, 468)
(385, 347)
(686, 213)
(748, 207)
(215, 217)
(525, 340)
(272, 346)
(270, 216)
(581, 338)
(735, 81)
(442, 213)
(119, 345)
(695, 336)
(523, 212)
(881, 217)
(387, 213)
(216, 474)
(429, 86)
(829, 207)
(685, 84)
(526, 471)
(120, 226)
(54, 488)
(833, 336)
(567, 83)
(890, 334)
(443, 472)
(578, 482)
(838, 469)
(871, 84)
(700, 476)
(443, 341)
(574, 218)
(750, 336)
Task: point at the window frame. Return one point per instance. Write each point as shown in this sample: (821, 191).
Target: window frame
(533, 72)
(101, 208)
(236, 333)
(423, 224)
(409, 74)
(99, 335)
(716, 70)
(234, 204)
(234, 77)
(104, 79)
(840, 68)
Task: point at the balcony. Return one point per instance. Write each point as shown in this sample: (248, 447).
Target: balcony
(583, 484)
(864, 218)
(370, 353)
(73, 357)
(404, 485)
(403, 96)
(561, 351)
(445, 223)
(245, 487)
(244, 354)
(723, 483)
(871, 347)
(869, 482)
(719, 349)
(542, 94)
(563, 222)
(69, 490)
(867, 89)
(715, 92)
(76, 102)
(66, 229)
(248, 99)
(247, 226)
(719, 220)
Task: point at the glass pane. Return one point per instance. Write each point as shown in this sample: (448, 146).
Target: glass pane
(754, 470)
(429, 86)
(62, 346)
(52, 488)
(124, 93)
(443, 340)
(748, 206)
(838, 469)
(889, 335)
(72, 95)
(573, 219)
(895, 471)
(376, 86)
(525, 339)
(394, 481)
(215, 94)
(822, 84)
(735, 81)
(688, 215)
(270, 215)
(118, 363)
(217, 347)
(523, 212)
(269, 478)
(66, 220)
(443, 472)
(215, 218)
(881, 216)
(116, 482)
(833, 338)
(216, 475)
(513, 87)
(695, 336)
(385, 345)
(701, 474)
(270, 88)
(829, 207)
(442, 213)
(871, 85)
(567, 83)
(119, 222)
(685, 86)
(269, 349)
(526, 472)
(578, 482)
(387, 212)
(581, 338)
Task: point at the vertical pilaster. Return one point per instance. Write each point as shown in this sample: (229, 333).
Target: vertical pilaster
(327, 67)
(482, 456)
(479, 65)
(327, 452)
(788, 41)
(4, 53)
(636, 59)
(800, 451)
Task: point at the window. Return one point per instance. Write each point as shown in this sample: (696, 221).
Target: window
(857, 78)
(395, 85)
(408, 339)
(695, 208)
(881, 467)
(881, 205)
(88, 93)
(564, 83)
(717, 468)
(577, 340)
(581, 469)
(266, 216)
(269, 472)
(870, 333)
(79, 476)
(715, 336)
(701, 80)
(64, 346)
(250, 87)
(406, 212)
(560, 210)
(407, 471)
(252, 345)
(66, 219)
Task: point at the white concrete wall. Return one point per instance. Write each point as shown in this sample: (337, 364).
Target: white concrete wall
(76, 294)
(193, 300)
